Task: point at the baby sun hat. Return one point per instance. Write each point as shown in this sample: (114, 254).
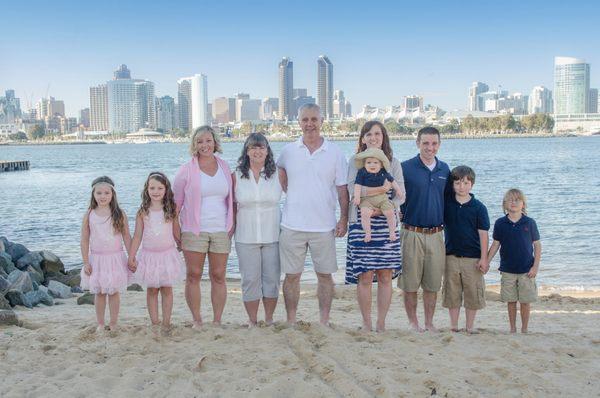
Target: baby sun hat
(359, 159)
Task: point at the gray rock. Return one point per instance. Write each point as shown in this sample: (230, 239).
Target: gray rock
(134, 287)
(36, 275)
(39, 297)
(59, 290)
(70, 279)
(76, 289)
(20, 281)
(5, 243)
(8, 317)
(16, 251)
(4, 303)
(3, 273)
(16, 297)
(6, 262)
(2, 247)
(4, 285)
(86, 298)
(31, 258)
(51, 264)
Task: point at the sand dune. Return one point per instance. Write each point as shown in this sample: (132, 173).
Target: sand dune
(57, 352)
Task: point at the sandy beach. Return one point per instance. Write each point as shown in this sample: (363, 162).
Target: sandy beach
(57, 352)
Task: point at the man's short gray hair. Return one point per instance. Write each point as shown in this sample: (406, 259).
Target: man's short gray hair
(306, 107)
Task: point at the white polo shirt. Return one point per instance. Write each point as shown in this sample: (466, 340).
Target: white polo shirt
(312, 179)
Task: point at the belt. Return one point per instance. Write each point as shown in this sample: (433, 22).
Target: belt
(423, 230)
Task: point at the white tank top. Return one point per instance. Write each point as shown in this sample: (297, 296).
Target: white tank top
(213, 210)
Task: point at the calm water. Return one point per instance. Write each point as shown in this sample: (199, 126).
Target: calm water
(42, 208)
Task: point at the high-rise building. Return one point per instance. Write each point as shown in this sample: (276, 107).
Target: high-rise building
(99, 108)
(593, 101)
(571, 85)
(84, 117)
(269, 108)
(476, 101)
(247, 109)
(348, 109)
(223, 110)
(165, 113)
(540, 100)
(10, 107)
(299, 92)
(286, 89)
(131, 103)
(193, 102)
(50, 107)
(325, 86)
(339, 104)
(412, 102)
(299, 101)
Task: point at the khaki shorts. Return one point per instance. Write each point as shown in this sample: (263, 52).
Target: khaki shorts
(294, 244)
(205, 242)
(462, 278)
(423, 260)
(381, 202)
(517, 287)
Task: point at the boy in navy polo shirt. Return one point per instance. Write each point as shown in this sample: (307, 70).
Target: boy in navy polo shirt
(518, 238)
(466, 224)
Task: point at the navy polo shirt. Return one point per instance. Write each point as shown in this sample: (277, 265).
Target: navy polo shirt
(516, 243)
(372, 180)
(424, 206)
(461, 225)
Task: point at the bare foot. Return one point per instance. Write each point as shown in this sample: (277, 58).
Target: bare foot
(473, 331)
(513, 330)
(365, 328)
(393, 236)
(113, 327)
(455, 330)
(380, 329)
(524, 331)
(431, 328)
(100, 328)
(269, 322)
(368, 237)
(197, 325)
(415, 327)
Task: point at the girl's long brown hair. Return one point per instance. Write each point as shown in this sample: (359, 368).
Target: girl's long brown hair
(116, 214)
(168, 200)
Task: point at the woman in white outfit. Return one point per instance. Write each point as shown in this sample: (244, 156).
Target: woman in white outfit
(257, 195)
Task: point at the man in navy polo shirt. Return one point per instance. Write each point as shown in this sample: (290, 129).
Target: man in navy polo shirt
(423, 251)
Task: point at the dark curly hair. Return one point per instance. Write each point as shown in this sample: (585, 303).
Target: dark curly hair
(254, 140)
(168, 200)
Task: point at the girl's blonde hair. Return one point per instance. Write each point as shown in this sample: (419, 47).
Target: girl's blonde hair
(116, 214)
(168, 201)
(201, 130)
(517, 194)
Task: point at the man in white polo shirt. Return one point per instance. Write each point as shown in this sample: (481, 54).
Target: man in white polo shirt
(313, 172)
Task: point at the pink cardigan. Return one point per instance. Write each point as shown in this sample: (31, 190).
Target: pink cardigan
(188, 197)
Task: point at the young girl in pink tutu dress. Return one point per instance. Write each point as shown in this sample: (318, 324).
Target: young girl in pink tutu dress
(158, 266)
(103, 232)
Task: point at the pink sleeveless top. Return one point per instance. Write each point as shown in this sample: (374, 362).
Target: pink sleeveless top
(103, 238)
(158, 233)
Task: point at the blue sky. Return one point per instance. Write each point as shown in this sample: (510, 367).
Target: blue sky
(380, 50)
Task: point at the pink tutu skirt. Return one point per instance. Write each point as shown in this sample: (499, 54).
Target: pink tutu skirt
(159, 268)
(110, 274)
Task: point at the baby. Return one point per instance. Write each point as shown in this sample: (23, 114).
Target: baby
(373, 165)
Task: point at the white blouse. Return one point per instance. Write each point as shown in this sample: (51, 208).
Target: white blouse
(258, 211)
(213, 207)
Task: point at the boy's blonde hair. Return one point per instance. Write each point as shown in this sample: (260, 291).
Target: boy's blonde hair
(514, 193)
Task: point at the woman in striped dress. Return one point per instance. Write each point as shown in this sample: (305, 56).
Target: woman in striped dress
(379, 260)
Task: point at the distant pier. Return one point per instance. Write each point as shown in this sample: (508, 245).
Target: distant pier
(15, 165)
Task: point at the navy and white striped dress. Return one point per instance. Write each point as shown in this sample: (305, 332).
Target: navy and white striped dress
(377, 254)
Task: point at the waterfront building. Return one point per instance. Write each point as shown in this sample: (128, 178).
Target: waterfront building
(269, 108)
(184, 103)
(476, 101)
(84, 117)
(339, 104)
(593, 101)
(10, 108)
(299, 92)
(247, 109)
(165, 114)
(540, 100)
(50, 107)
(412, 102)
(286, 88)
(223, 110)
(200, 115)
(348, 109)
(131, 103)
(571, 85)
(325, 86)
(299, 101)
(99, 108)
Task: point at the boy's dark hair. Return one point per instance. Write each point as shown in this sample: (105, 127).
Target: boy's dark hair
(460, 172)
(428, 131)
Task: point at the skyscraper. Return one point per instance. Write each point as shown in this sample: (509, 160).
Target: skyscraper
(99, 108)
(269, 108)
(476, 101)
(10, 107)
(286, 88)
(84, 117)
(131, 104)
(193, 102)
(540, 100)
(223, 110)
(165, 113)
(184, 102)
(571, 85)
(325, 86)
(412, 102)
(339, 104)
(593, 101)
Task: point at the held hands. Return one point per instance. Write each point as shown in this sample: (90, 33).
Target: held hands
(87, 268)
(532, 272)
(483, 265)
(132, 264)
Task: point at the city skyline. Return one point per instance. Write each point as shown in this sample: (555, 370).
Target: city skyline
(399, 56)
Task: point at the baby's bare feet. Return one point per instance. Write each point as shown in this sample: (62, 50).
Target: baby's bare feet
(368, 237)
(393, 236)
